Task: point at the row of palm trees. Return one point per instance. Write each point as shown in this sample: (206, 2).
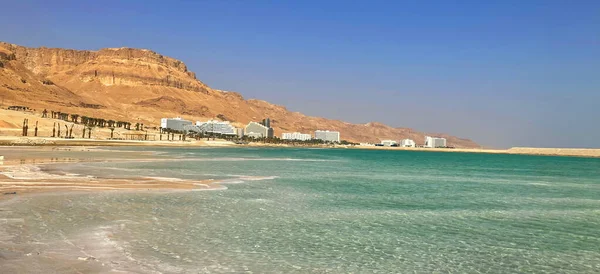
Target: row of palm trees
(92, 121)
(171, 134)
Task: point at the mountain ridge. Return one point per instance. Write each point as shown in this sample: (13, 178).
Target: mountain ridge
(143, 85)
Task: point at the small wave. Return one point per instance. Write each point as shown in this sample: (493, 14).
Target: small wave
(257, 178)
(34, 172)
(231, 182)
(164, 179)
(538, 184)
(239, 180)
(211, 188)
(244, 178)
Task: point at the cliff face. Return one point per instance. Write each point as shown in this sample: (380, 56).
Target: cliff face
(142, 85)
(113, 66)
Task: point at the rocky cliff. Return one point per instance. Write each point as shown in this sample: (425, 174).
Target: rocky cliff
(142, 85)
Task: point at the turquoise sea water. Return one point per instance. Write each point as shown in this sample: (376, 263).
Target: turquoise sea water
(317, 211)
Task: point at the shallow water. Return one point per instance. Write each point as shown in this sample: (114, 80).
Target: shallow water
(317, 211)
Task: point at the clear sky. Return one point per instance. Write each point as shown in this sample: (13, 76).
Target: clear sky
(503, 73)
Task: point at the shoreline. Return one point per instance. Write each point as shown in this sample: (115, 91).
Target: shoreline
(15, 141)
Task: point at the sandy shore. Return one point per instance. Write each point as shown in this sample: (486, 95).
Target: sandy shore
(29, 174)
(48, 141)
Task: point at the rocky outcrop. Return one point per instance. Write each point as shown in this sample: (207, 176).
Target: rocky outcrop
(142, 85)
(112, 66)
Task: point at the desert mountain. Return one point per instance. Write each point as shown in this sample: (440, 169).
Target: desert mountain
(139, 85)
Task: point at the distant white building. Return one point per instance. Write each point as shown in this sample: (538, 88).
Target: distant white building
(296, 136)
(388, 143)
(327, 136)
(177, 124)
(407, 143)
(434, 142)
(214, 126)
(257, 130)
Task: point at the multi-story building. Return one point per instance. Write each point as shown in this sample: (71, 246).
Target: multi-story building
(216, 127)
(407, 143)
(266, 122)
(256, 130)
(328, 136)
(389, 143)
(176, 124)
(296, 136)
(434, 142)
(240, 132)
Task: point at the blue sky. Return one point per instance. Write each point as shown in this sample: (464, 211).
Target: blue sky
(503, 73)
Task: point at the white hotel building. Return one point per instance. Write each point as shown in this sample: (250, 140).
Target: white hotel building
(257, 130)
(407, 143)
(296, 136)
(214, 126)
(327, 136)
(388, 143)
(177, 124)
(433, 142)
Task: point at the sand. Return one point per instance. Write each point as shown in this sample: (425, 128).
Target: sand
(25, 176)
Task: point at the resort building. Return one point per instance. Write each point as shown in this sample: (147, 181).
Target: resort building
(389, 143)
(407, 143)
(266, 122)
(240, 132)
(176, 124)
(215, 127)
(327, 136)
(433, 142)
(256, 130)
(296, 136)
